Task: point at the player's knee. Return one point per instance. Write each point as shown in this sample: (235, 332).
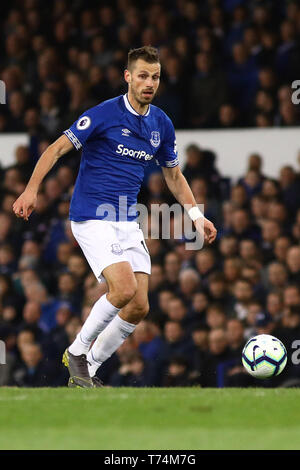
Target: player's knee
(127, 293)
(123, 294)
(141, 310)
(145, 310)
(137, 312)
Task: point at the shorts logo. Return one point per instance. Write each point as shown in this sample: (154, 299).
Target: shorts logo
(116, 249)
(155, 139)
(83, 123)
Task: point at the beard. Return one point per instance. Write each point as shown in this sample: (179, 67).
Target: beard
(141, 98)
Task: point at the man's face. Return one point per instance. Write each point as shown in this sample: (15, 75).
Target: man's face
(217, 288)
(172, 263)
(217, 342)
(176, 310)
(235, 331)
(291, 297)
(31, 355)
(173, 332)
(143, 81)
(247, 249)
(293, 259)
(243, 291)
(240, 221)
(274, 304)
(277, 275)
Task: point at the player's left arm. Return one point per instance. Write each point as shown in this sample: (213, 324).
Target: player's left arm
(179, 187)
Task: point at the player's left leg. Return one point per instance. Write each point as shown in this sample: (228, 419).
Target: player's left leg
(122, 286)
(121, 326)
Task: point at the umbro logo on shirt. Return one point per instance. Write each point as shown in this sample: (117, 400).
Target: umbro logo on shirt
(126, 132)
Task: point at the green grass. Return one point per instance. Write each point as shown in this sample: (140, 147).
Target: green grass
(127, 418)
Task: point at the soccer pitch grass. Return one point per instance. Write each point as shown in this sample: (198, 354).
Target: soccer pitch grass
(149, 419)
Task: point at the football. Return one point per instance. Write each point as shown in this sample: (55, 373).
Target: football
(264, 356)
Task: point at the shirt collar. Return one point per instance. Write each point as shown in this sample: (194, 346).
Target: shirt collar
(130, 108)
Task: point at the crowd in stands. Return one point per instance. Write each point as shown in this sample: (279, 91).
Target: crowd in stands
(225, 64)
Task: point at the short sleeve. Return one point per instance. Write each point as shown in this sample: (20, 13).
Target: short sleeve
(82, 129)
(167, 153)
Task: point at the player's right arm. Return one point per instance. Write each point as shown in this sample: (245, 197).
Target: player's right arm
(26, 202)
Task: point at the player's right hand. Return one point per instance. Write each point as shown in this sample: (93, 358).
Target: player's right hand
(25, 204)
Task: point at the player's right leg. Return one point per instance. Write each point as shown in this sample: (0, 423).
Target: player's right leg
(120, 327)
(122, 287)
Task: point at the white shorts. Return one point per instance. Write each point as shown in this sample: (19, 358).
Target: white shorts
(104, 243)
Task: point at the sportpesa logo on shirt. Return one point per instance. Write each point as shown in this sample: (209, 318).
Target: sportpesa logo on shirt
(139, 154)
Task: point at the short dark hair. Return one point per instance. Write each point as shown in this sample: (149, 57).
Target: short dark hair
(147, 53)
(295, 310)
(216, 277)
(178, 361)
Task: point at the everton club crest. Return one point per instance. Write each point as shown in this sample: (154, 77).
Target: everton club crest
(116, 249)
(155, 139)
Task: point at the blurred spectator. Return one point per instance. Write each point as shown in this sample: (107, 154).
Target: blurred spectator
(271, 230)
(34, 371)
(7, 259)
(243, 294)
(228, 117)
(219, 355)
(242, 226)
(218, 290)
(277, 275)
(135, 372)
(177, 373)
(172, 268)
(291, 295)
(208, 92)
(264, 323)
(201, 163)
(175, 343)
(293, 263)
(215, 317)
(242, 73)
(274, 305)
(228, 246)
(148, 340)
(189, 281)
(235, 337)
(205, 263)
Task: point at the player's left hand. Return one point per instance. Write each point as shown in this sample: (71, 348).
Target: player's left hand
(207, 229)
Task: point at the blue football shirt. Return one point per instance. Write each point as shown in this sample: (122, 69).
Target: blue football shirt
(117, 143)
